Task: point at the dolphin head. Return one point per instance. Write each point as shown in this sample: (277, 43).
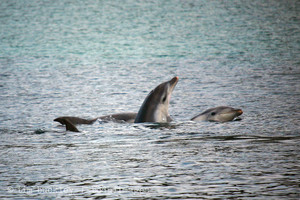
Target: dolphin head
(155, 106)
(219, 114)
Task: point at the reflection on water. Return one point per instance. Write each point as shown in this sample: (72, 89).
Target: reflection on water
(89, 59)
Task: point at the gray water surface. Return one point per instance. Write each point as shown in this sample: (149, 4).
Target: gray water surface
(92, 58)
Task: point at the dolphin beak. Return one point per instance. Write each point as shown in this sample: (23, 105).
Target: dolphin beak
(239, 112)
(172, 84)
(174, 81)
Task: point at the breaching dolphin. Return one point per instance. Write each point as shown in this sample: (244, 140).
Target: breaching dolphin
(218, 114)
(156, 105)
(154, 109)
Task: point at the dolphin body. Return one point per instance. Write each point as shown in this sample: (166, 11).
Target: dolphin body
(120, 117)
(154, 109)
(218, 114)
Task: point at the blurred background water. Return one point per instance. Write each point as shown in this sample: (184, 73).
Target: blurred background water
(96, 57)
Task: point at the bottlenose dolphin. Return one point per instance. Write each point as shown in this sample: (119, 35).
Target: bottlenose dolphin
(155, 106)
(154, 109)
(70, 122)
(218, 114)
(74, 120)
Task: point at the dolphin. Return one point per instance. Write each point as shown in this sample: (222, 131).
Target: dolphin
(119, 117)
(74, 120)
(70, 122)
(154, 109)
(218, 114)
(155, 106)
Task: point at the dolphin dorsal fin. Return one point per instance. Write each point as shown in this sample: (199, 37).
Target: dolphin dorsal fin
(70, 126)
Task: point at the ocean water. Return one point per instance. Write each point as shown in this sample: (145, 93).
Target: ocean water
(92, 58)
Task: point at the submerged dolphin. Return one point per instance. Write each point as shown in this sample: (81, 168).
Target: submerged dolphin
(155, 106)
(154, 109)
(72, 121)
(218, 114)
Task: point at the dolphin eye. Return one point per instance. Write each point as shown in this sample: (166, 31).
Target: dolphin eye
(213, 113)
